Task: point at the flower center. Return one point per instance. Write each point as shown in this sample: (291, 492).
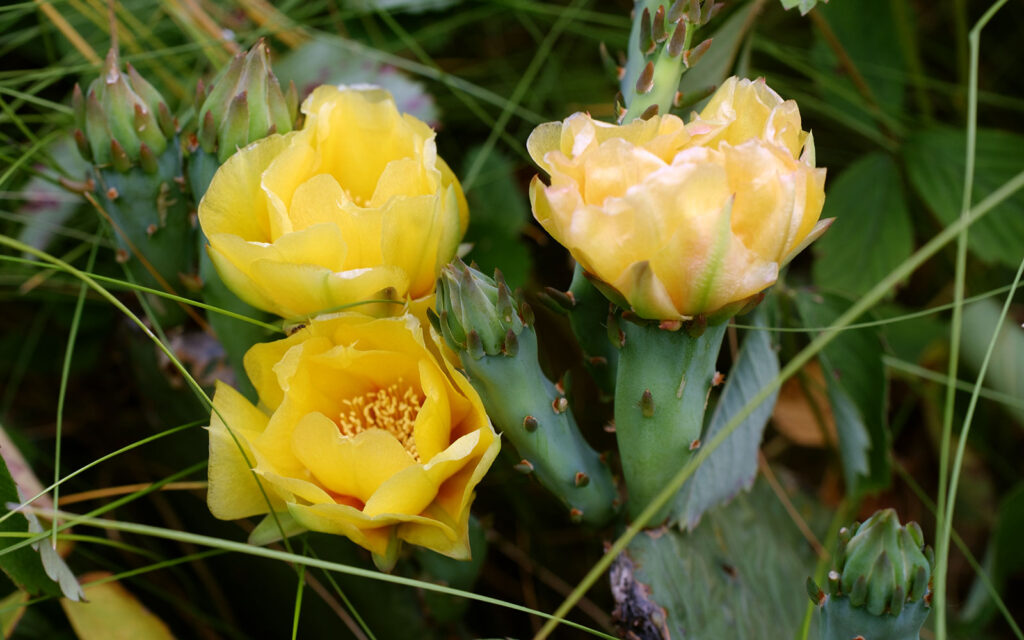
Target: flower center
(393, 409)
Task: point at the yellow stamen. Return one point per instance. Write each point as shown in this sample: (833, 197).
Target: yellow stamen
(393, 409)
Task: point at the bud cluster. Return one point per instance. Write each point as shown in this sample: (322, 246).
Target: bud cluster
(243, 105)
(121, 120)
(880, 584)
(478, 314)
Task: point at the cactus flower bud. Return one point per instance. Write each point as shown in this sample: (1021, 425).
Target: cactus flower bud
(119, 114)
(878, 588)
(495, 341)
(245, 104)
(470, 301)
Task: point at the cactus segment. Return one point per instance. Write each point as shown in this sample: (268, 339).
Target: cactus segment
(879, 588)
(841, 620)
(527, 407)
(660, 394)
(588, 318)
(150, 215)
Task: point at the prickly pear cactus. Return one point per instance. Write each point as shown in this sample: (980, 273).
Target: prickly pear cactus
(497, 345)
(127, 132)
(879, 588)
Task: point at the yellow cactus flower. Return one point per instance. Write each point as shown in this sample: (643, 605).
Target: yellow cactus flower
(677, 220)
(362, 430)
(353, 206)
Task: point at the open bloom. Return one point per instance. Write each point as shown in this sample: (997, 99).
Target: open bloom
(353, 206)
(362, 430)
(676, 220)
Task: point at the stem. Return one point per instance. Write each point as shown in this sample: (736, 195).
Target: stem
(944, 521)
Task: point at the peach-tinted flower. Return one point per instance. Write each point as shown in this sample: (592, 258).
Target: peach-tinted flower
(676, 220)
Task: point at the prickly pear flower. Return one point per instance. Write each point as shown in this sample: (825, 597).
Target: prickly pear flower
(361, 430)
(677, 220)
(355, 205)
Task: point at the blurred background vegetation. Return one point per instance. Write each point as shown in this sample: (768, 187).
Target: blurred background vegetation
(882, 84)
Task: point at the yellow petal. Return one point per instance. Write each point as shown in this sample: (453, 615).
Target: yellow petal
(353, 466)
(420, 235)
(293, 164)
(233, 492)
(343, 520)
(234, 203)
(304, 290)
(236, 278)
(319, 200)
(432, 429)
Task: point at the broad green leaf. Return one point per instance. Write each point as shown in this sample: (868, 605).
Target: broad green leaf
(738, 575)
(1003, 558)
(872, 234)
(498, 214)
(857, 390)
(1006, 369)
(733, 465)
(867, 33)
(23, 566)
(935, 164)
(803, 5)
(113, 613)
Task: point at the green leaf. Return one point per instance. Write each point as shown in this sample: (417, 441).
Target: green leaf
(872, 234)
(498, 214)
(857, 390)
(738, 574)
(23, 565)
(1006, 369)
(867, 34)
(733, 466)
(935, 164)
(1003, 558)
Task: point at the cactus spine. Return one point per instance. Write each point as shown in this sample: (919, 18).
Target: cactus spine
(879, 588)
(125, 129)
(497, 346)
(661, 392)
(660, 52)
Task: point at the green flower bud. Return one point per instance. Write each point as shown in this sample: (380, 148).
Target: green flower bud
(879, 585)
(476, 309)
(119, 115)
(244, 104)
